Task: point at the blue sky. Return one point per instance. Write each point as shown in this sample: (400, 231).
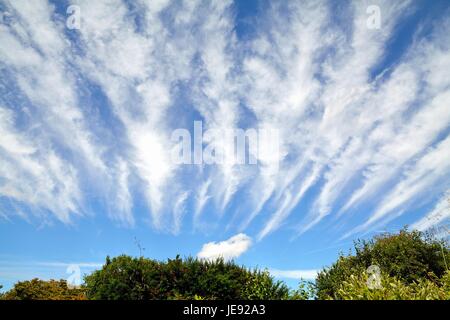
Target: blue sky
(358, 92)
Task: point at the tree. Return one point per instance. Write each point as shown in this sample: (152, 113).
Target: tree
(125, 277)
(44, 290)
(408, 257)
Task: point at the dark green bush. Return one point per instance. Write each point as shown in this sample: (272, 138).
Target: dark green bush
(131, 278)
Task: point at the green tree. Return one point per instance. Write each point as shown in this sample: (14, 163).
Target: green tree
(409, 257)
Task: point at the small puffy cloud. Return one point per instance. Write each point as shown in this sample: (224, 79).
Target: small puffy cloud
(228, 249)
(294, 274)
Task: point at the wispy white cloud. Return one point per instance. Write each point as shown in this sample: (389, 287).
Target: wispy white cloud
(201, 199)
(36, 57)
(94, 265)
(349, 136)
(428, 173)
(438, 215)
(34, 174)
(294, 274)
(179, 211)
(123, 204)
(321, 122)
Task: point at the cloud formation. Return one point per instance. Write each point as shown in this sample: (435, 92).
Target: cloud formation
(227, 249)
(437, 216)
(86, 115)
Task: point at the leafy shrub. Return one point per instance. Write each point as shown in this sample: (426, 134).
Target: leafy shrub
(409, 257)
(44, 290)
(355, 288)
(261, 286)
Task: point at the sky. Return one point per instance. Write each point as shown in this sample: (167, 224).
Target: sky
(352, 97)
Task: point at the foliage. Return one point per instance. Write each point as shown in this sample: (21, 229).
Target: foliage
(44, 290)
(124, 278)
(412, 265)
(305, 291)
(131, 278)
(355, 288)
(408, 257)
(261, 286)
